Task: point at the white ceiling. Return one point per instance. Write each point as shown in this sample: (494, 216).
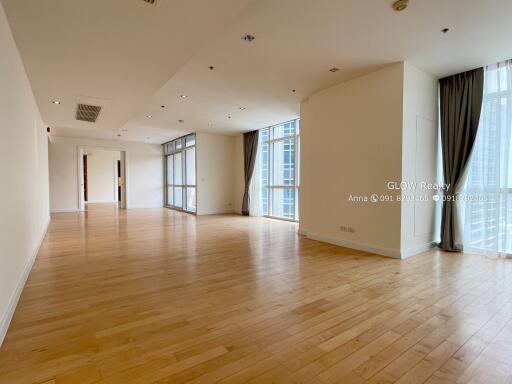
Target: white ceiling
(133, 57)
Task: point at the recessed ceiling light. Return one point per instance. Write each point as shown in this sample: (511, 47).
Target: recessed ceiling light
(334, 69)
(242, 108)
(56, 102)
(183, 96)
(445, 30)
(149, 116)
(400, 5)
(249, 38)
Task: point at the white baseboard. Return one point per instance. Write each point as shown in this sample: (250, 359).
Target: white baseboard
(394, 253)
(13, 302)
(64, 210)
(140, 206)
(413, 251)
(215, 212)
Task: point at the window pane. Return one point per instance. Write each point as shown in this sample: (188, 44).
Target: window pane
(191, 199)
(264, 135)
(190, 140)
(283, 162)
(283, 130)
(170, 200)
(264, 202)
(282, 202)
(264, 158)
(297, 162)
(170, 169)
(178, 197)
(296, 203)
(190, 157)
(178, 170)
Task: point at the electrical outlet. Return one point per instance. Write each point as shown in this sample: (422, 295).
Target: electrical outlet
(347, 229)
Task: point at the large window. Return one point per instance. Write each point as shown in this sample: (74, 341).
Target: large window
(488, 192)
(180, 173)
(279, 170)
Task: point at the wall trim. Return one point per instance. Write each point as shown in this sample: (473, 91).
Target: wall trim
(215, 212)
(413, 251)
(64, 210)
(302, 231)
(13, 301)
(140, 206)
(394, 253)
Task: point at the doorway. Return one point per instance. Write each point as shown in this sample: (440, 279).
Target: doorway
(119, 181)
(85, 177)
(102, 177)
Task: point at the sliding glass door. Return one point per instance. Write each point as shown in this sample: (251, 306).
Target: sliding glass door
(279, 170)
(180, 173)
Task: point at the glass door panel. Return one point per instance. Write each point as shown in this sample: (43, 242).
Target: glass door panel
(190, 161)
(178, 197)
(178, 172)
(191, 199)
(170, 196)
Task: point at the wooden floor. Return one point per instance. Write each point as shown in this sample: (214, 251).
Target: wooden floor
(156, 296)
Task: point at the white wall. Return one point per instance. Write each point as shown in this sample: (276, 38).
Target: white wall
(144, 168)
(102, 175)
(351, 144)
(24, 212)
(419, 160)
(357, 137)
(215, 156)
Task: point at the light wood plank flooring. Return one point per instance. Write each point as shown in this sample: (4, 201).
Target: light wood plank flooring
(155, 296)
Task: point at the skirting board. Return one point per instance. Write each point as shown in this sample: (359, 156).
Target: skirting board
(413, 251)
(216, 212)
(141, 206)
(13, 302)
(64, 210)
(394, 253)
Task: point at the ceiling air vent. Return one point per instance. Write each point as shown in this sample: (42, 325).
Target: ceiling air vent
(151, 2)
(85, 112)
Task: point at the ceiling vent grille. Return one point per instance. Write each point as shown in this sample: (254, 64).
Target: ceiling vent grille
(85, 112)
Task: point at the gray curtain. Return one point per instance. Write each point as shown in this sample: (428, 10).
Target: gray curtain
(250, 150)
(460, 103)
